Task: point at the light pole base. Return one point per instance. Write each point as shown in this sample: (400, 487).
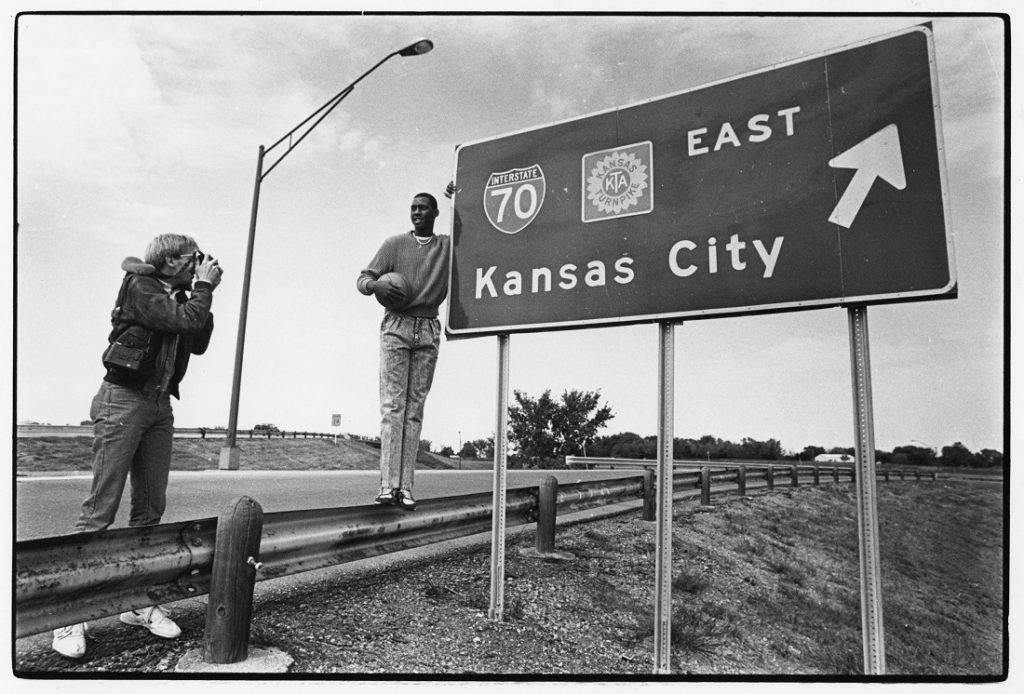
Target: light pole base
(229, 456)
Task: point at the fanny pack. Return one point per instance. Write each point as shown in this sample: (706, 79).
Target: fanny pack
(129, 343)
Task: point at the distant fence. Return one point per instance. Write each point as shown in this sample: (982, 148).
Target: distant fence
(68, 431)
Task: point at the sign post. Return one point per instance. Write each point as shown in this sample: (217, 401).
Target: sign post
(498, 503)
(335, 422)
(867, 496)
(663, 561)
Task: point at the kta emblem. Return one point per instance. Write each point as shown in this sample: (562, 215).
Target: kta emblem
(513, 198)
(618, 182)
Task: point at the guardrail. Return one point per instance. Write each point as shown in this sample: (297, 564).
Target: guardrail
(613, 463)
(79, 577)
(885, 471)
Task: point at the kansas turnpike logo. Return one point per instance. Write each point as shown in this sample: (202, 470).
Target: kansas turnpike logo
(618, 182)
(513, 198)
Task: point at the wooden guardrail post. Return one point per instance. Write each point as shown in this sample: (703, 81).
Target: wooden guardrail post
(885, 475)
(705, 486)
(817, 475)
(229, 611)
(741, 480)
(935, 474)
(547, 510)
(917, 475)
(650, 496)
(769, 477)
(902, 475)
(835, 473)
(794, 476)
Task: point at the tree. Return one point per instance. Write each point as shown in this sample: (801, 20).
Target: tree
(611, 446)
(751, 449)
(987, 457)
(574, 425)
(914, 455)
(957, 455)
(543, 430)
(811, 452)
(529, 424)
(446, 451)
(478, 448)
(425, 445)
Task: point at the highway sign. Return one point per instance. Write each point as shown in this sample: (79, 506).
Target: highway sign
(819, 182)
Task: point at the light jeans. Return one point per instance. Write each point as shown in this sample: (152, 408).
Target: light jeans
(408, 355)
(133, 434)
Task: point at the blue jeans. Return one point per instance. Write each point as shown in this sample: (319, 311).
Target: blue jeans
(408, 355)
(132, 437)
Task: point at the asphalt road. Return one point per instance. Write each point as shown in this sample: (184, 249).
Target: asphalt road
(49, 505)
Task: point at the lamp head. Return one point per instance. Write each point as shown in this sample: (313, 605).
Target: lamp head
(417, 48)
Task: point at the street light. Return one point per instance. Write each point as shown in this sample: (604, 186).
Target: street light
(229, 455)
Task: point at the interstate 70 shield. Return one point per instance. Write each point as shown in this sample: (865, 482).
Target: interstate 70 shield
(513, 198)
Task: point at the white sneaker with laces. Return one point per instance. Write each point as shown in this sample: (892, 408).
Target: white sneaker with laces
(154, 619)
(69, 641)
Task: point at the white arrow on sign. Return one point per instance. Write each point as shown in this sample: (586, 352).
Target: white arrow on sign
(879, 156)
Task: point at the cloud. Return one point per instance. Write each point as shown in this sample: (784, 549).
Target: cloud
(78, 89)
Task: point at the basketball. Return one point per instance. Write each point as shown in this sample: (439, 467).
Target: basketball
(397, 280)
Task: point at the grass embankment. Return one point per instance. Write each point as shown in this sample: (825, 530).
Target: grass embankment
(52, 453)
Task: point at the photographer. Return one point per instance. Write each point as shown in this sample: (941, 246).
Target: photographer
(162, 317)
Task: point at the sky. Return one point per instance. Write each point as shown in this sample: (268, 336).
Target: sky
(129, 126)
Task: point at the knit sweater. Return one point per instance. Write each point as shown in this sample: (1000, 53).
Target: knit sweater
(425, 266)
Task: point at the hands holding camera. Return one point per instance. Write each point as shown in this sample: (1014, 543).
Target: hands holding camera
(209, 270)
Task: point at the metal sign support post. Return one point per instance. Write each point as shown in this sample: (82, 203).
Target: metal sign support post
(500, 485)
(867, 499)
(663, 562)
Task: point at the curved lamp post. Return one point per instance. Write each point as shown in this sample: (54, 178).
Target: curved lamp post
(229, 454)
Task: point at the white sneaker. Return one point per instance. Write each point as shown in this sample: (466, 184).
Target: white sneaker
(154, 619)
(69, 641)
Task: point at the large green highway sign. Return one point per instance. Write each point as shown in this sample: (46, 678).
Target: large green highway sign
(819, 182)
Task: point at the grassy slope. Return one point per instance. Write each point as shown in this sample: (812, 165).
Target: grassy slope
(794, 566)
(74, 453)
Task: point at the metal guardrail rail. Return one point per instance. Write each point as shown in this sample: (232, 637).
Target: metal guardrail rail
(79, 577)
(75, 578)
(589, 463)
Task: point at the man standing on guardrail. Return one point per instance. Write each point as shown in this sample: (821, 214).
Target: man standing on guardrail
(161, 317)
(410, 335)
